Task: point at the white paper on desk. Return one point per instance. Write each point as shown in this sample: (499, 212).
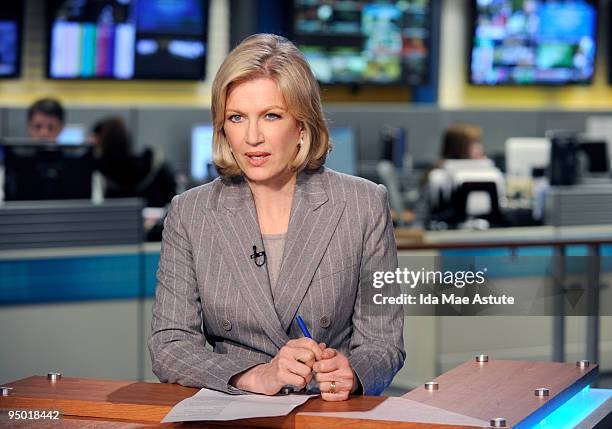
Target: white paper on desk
(212, 405)
(406, 410)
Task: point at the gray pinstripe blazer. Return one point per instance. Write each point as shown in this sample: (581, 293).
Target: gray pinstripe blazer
(209, 289)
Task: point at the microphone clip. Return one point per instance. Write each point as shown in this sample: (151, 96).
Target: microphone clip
(256, 255)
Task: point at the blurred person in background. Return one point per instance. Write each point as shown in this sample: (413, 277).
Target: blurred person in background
(45, 119)
(127, 174)
(441, 204)
(461, 141)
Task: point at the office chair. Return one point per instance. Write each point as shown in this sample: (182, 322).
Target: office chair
(388, 175)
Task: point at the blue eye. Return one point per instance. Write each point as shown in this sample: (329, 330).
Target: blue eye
(235, 118)
(272, 116)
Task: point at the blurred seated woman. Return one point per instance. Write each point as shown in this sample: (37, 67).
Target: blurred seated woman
(451, 204)
(461, 141)
(127, 174)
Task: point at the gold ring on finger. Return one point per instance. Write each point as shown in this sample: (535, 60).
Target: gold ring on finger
(332, 387)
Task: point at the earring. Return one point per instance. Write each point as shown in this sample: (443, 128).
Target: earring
(301, 142)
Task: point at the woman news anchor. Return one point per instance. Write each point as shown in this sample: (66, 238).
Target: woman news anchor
(276, 236)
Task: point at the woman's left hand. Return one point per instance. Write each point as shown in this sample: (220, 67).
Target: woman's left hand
(335, 368)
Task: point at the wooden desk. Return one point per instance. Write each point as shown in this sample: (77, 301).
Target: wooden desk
(505, 388)
(472, 390)
(146, 404)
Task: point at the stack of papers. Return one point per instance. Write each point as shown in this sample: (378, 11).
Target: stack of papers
(405, 410)
(217, 406)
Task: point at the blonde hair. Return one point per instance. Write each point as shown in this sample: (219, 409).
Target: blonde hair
(274, 57)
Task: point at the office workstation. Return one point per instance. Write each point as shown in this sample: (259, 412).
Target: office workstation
(489, 166)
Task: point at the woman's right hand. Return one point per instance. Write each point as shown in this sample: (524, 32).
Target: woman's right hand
(292, 365)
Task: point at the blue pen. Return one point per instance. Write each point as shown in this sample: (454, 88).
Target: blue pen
(303, 327)
(306, 333)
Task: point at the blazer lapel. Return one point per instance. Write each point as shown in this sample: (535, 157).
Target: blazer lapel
(313, 222)
(236, 220)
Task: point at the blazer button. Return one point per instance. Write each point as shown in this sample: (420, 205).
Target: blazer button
(324, 322)
(227, 325)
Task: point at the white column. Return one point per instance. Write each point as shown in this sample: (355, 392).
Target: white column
(453, 54)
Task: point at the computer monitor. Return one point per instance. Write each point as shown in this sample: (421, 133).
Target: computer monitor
(72, 134)
(202, 167)
(465, 188)
(523, 154)
(47, 171)
(596, 154)
(394, 145)
(472, 191)
(343, 157)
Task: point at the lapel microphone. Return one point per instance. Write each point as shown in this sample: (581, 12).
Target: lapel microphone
(256, 255)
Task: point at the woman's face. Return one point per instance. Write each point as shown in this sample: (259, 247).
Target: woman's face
(96, 141)
(261, 132)
(477, 151)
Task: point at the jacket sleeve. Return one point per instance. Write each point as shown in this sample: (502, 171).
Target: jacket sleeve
(376, 350)
(177, 342)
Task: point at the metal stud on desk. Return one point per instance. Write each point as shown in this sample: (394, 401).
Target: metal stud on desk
(54, 376)
(498, 422)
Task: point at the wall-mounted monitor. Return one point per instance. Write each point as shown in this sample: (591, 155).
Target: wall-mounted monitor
(11, 24)
(127, 39)
(608, 39)
(533, 42)
(365, 42)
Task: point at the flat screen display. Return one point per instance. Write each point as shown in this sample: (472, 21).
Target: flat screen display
(43, 171)
(202, 167)
(365, 42)
(533, 42)
(595, 153)
(72, 134)
(343, 157)
(127, 39)
(11, 19)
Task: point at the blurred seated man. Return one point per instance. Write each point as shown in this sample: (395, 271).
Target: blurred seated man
(127, 174)
(45, 119)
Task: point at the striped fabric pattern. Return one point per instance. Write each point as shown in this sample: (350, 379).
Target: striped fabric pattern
(209, 290)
